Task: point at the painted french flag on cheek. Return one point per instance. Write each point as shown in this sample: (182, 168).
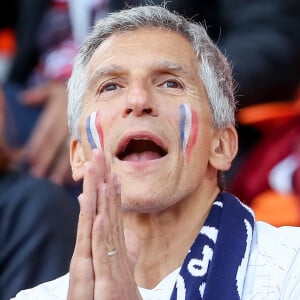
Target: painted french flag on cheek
(185, 125)
(94, 130)
(188, 128)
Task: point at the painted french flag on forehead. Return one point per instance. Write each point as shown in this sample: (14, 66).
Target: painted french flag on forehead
(185, 125)
(94, 130)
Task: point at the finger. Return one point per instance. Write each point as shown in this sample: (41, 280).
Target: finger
(114, 209)
(113, 274)
(108, 205)
(99, 161)
(81, 268)
(101, 260)
(115, 239)
(89, 186)
(100, 234)
(106, 241)
(124, 241)
(104, 281)
(81, 284)
(84, 228)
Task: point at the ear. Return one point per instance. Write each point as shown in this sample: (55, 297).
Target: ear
(224, 148)
(77, 159)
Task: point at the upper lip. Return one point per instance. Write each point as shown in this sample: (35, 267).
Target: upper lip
(140, 135)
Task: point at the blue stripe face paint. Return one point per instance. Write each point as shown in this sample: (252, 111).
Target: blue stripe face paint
(94, 130)
(185, 125)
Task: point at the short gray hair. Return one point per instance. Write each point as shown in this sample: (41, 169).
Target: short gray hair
(214, 69)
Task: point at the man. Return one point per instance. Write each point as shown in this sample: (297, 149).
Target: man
(151, 112)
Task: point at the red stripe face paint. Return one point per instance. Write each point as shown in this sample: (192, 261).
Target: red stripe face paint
(188, 129)
(94, 130)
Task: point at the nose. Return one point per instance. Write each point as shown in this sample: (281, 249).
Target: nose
(139, 101)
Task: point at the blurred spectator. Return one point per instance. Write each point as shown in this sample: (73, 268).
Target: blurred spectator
(37, 226)
(272, 168)
(260, 37)
(35, 88)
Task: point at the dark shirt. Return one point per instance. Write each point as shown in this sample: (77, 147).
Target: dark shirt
(38, 222)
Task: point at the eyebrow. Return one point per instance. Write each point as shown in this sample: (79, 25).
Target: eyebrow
(160, 64)
(172, 66)
(102, 73)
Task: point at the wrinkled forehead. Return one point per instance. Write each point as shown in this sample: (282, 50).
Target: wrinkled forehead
(133, 46)
(130, 31)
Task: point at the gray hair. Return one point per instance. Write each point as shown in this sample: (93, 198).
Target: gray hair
(214, 69)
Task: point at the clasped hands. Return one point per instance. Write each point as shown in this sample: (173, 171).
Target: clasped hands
(103, 262)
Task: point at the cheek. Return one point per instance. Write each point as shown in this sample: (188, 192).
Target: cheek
(94, 130)
(188, 129)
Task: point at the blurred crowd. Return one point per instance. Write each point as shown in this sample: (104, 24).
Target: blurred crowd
(38, 41)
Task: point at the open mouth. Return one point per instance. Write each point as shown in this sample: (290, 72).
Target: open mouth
(141, 149)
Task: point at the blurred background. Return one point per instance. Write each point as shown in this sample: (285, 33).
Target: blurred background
(39, 39)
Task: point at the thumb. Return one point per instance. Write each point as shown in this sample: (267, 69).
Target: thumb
(132, 246)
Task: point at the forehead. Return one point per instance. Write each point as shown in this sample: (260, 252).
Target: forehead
(145, 47)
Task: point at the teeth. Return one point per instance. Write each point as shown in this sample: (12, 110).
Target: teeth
(143, 138)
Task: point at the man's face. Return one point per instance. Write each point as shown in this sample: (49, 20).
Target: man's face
(153, 115)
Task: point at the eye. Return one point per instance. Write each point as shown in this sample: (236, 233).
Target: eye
(171, 84)
(109, 87)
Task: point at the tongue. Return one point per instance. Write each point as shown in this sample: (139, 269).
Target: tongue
(143, 156)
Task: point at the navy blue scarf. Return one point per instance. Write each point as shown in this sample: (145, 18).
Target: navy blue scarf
(216, 264)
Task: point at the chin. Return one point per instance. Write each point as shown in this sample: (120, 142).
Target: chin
(144, 198)
(142, 204)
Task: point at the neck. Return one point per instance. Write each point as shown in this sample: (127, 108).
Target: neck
(165, 237)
